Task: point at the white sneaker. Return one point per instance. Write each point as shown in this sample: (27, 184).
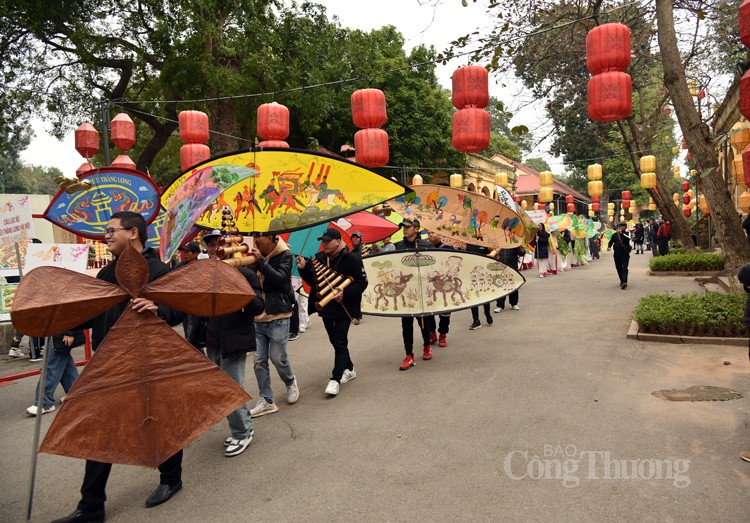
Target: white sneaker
(292, 392)
(516, 308)
(15, 353)
(302, 328)
(237, 446)
(262, 408)
(348, 375)
(499, 309)
(332, 388)
(34, 410)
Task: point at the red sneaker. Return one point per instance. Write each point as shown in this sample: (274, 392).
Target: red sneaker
(427, 354)
(408, 362)
(433, 338)
(442, 341)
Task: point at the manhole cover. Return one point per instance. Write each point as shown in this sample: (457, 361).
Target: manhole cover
(698, 393)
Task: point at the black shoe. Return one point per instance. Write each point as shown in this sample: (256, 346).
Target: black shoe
(162, 493)
(476, 325)
(624, 286)
(293, 336)
(77, 516)
(489, 320)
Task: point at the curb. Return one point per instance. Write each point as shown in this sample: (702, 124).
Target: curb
(707, 274)
(634, 334)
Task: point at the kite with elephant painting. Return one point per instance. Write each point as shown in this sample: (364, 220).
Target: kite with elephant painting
(467, 216)
(412, 283)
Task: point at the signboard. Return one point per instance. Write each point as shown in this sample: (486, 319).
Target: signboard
(7, 292)
(15, 218)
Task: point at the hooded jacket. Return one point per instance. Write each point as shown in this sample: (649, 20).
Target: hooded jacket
(275, 274)
(348, 265)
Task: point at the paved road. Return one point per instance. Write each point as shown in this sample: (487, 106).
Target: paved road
(545, 416)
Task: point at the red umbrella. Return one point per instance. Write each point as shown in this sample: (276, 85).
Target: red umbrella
(373, 228)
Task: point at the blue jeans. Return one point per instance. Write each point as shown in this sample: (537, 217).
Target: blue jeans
(271, 339)
(61, 370)
(240, 422)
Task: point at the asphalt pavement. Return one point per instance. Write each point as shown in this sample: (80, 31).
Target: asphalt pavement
(548, 415)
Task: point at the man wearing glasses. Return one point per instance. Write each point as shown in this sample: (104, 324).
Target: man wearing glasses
(125, 228)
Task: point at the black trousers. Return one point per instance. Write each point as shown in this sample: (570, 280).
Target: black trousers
(407, 331)
(442, 327)
(93, 493)
(512, 297)
(338, 335)
(294, 320)
(621, 264)
(475, 311)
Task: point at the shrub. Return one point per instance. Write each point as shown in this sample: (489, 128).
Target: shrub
(697, 314)
(687, 262)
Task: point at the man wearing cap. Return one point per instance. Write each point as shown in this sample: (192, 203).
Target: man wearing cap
(346, 304)
(356, 244)
(274, 268)
(621, 243)
(190, 252)
(411, 242)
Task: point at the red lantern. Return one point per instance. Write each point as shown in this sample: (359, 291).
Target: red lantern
(471, 130)
(372, 147)
(684, 143)
(608, 48)
(517, 199)
(625, 195)
(689, 156)
(124, 161)
(123, 132)
(610, 96)
(87, 140)
(596, 206)
(569, 198)
(368, 108)
(686, 211)
(685, 186)
(274, 143)
(746, 170)
(193, 126)
(686, 198)
(701, 95)
(273, 121)
(596, 199)
(571, 207)
(84, 168)
(471, 87)
(625, 204)
(192, 154)
(745, 23)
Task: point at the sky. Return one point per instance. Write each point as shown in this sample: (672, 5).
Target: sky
(436, 23)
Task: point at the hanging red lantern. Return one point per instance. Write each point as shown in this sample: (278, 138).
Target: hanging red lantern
(685, 186)
(701, 94)
(625, 195)
(569, 198)
(123, 161)
(273, 121)
(744, 17)
(471, 130)
(689, 156)
(746, 170)
(625, 204)
(372, 147)
(517, 199)
(123, 132)
(274, 143)
(608, 48)
(87, 140)
(571, 208)
(610, 96)
(193, 126)
(368, 108)
(596, 206)
(686, 211)
(596, 198)
(471, 87)
(192, 154)
(686, 198)
(84, 168)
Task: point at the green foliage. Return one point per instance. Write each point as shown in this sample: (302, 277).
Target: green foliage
(687, 262)
(538, 164)
(13, 140)
(707, 314)
(501, 145)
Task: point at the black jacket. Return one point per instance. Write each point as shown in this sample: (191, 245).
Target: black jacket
(542, 244)
(276, 276)
(348, 265)
(510, 257)
(620, 243)
(406, 245)
(236, 330)
(101, 324)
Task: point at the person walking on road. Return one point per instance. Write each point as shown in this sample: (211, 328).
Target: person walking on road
(620, 241)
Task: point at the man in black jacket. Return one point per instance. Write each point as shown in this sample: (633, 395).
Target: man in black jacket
(338, 313)
(620, 241)
(125, 228)
(510, 257)
(228, 339)
(412, 242)
(274, 269)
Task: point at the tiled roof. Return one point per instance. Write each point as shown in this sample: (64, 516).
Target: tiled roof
(527, 181)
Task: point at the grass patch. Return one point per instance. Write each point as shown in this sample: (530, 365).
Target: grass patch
(687, 262)
(697, 314)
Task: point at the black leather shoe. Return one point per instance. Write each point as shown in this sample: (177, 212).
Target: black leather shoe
(77, 516)
(162, 493)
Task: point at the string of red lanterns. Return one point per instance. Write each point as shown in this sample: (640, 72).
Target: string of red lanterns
(607, 57)
(369, 113)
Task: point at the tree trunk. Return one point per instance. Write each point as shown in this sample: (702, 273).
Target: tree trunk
(728, 228)
(224, 140)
